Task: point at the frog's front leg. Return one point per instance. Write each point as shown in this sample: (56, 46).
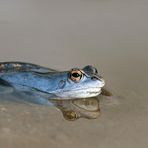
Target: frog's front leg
(35, 98)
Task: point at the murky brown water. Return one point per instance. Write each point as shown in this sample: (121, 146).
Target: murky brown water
(110, 35)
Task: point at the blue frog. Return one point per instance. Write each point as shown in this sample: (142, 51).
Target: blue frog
(40, 84)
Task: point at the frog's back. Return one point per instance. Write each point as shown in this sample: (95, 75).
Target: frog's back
(6, 67)
(26, 75)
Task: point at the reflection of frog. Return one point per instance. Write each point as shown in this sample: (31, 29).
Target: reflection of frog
(80, 108)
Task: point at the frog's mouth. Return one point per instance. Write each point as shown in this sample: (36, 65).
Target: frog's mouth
(79, 93)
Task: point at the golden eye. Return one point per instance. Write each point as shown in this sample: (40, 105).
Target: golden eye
(76, 75)
(70, 115)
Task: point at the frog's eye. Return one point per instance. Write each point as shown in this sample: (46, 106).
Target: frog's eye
(76, 75)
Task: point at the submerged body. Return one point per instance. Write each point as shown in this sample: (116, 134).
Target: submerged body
(42, 84)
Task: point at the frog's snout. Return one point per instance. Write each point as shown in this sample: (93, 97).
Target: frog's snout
(100, 79)
(102, 82)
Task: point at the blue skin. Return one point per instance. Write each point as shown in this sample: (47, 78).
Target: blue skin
(40, 84)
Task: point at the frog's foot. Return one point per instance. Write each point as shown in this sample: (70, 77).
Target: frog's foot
(106, 92)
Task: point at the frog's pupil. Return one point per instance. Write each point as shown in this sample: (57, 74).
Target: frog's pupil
(75, 75)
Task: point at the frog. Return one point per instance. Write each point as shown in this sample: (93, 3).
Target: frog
(42, 84)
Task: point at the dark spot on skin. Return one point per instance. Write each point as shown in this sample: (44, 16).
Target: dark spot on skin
(62, 83)
(9, 65)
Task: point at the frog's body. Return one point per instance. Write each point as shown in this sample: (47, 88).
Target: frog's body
(41, 84)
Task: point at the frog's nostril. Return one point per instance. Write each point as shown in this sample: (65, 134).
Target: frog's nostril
(94, 78)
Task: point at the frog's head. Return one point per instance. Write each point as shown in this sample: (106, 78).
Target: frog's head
(79, 83)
